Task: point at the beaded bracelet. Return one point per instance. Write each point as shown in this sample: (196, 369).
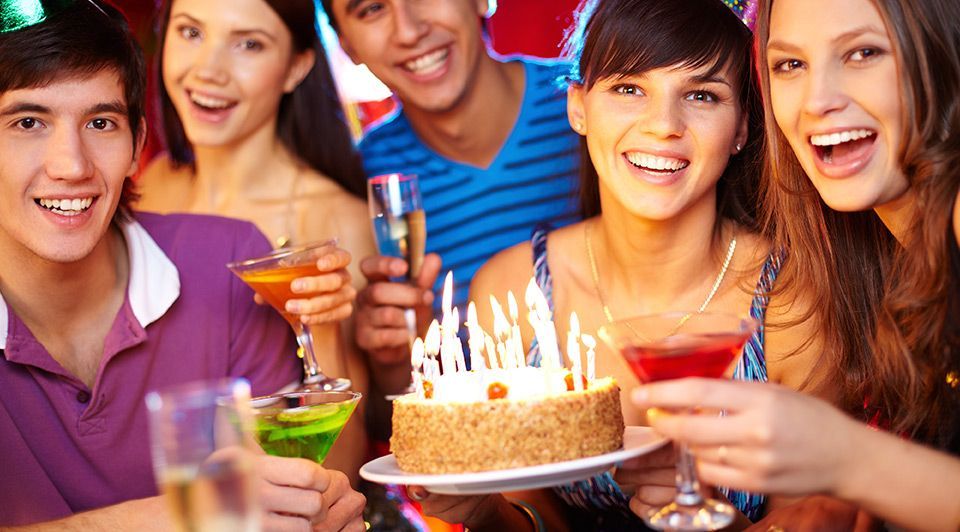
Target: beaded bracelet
(532, 514)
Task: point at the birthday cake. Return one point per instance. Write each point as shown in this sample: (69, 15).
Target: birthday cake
(502, 413)
(457, 435)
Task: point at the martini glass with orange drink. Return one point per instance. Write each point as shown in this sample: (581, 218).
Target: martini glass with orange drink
(675, 345)
(270, 276)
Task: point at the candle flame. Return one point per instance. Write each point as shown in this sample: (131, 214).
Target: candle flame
(589, 341)
(416, 354)
(501, 326)
(512, 306)
(454, 322)
(529, 296)
(432, 342)
(472, 315)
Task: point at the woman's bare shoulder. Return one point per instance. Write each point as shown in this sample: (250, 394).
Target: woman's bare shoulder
(510, 269)
(796, 354)
(163, 187)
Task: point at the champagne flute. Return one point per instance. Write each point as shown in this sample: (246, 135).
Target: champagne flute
(199, 434)
(302, 424)
(674, 345)
(399, 225)
(270, 276)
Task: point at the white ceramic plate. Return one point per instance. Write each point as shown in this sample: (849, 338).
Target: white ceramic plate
(636, 441)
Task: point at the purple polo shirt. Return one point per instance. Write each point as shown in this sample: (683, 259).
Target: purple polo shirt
(66, 448)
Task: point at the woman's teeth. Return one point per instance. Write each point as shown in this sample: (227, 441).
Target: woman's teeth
(427, 63)
(653, 162)
(66, 207)
(209, 102)
(833, 139)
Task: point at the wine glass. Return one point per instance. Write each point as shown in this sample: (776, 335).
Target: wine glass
(674, 345)
(199, 434)
(399, 225)
(302, 424)
(270, 276)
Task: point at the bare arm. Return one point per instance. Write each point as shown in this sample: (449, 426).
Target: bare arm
(141, 514)
(905, 483)
(775, 440)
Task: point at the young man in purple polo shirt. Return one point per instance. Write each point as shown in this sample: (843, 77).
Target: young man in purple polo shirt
(99, 305)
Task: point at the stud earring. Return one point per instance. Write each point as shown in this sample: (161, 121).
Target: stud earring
(739, 147)
(577, 127)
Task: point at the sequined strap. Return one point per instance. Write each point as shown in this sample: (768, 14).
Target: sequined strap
(753, 367)
(541, 272)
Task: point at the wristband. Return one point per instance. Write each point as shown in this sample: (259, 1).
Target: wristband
(532, 514)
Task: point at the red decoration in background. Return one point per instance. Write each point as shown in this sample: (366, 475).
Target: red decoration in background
(531, 27)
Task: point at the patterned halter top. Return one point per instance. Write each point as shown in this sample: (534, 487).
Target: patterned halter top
(601, 495)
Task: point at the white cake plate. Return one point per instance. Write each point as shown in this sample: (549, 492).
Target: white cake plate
(636, 441)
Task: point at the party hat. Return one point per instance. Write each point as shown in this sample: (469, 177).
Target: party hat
(18, 14)
(745, 10)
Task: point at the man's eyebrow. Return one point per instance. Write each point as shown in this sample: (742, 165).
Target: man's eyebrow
(113, 107)
(712, 79)
(16, 108)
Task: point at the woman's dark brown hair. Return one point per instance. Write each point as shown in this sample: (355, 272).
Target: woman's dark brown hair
(889, 311)
(310, 121)
(615, 38)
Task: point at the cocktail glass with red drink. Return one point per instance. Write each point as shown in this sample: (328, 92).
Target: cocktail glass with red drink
(675, 345)
(270, 276)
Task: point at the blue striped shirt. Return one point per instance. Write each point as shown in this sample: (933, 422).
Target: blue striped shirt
(473, 213)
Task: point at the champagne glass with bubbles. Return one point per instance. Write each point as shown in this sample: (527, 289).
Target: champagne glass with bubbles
(399, 225)
(675, 345)
(202, 457)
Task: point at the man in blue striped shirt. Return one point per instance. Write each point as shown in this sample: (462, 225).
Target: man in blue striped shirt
(488, 138)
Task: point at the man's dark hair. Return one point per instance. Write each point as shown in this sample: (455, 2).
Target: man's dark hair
(78, 39)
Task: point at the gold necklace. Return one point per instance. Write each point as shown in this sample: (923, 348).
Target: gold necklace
(603, 303)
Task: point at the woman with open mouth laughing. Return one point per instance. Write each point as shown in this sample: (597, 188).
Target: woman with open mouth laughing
(671, 130)
(864, 190)
(254, 130)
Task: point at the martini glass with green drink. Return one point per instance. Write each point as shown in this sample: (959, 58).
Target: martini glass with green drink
(302, 424)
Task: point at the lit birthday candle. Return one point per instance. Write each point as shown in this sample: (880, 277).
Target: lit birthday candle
(432, 344)
(573, 351)
(501, 331)
(591, 344)
(447, 301)
(491, 352)
(416, 363)
(515, 339)
(542, 322)
(453, 338)
(475, 339)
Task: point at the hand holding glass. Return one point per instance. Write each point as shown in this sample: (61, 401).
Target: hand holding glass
(302, 424)
(199, 435)
(270, 276)
(399, 225)
(672, 346)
